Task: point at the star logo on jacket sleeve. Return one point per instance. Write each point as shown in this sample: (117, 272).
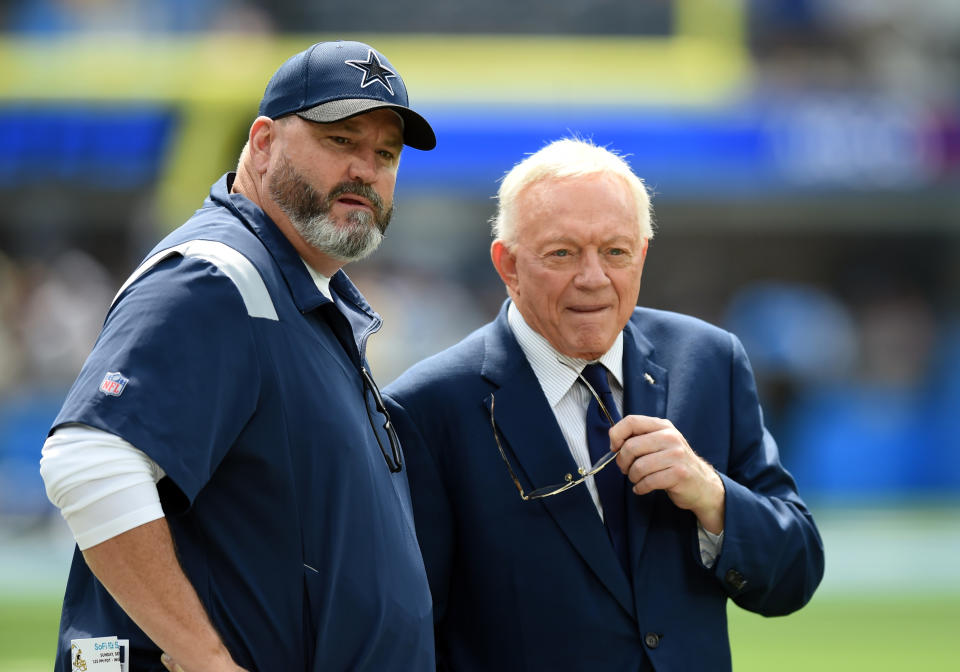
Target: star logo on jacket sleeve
(373, 71)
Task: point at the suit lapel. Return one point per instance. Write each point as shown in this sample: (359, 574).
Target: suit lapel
(531, 436)
(644, 393)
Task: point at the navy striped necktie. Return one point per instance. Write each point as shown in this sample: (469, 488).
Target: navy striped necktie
(610, 482)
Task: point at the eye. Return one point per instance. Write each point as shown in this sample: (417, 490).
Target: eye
(340, 140)
(616, 251)
(384, 154)
(560, 253)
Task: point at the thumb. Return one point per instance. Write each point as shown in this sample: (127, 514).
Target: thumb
(170, 663)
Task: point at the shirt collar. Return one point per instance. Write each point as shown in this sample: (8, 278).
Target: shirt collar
(555, 377)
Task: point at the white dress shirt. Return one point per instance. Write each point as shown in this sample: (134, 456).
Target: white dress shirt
(569, 403)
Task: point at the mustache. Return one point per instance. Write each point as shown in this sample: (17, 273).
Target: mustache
(358, 189)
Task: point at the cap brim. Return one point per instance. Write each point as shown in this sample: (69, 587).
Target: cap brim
(417, 133)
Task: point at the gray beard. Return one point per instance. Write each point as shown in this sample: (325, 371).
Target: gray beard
(352, 242)
(309, 212)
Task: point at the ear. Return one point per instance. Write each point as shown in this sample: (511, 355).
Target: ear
(263, 133)
(644, 246)
(505, 262)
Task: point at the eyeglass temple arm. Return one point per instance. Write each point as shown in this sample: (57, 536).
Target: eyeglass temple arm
(396, 465)
(596, 396)
(503, 456)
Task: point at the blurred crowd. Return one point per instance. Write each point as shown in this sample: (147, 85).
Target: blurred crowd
(57, 17)
(50, 314)
(900, 47)
(860, 380)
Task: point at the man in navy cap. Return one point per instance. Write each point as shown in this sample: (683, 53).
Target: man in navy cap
(224, 460)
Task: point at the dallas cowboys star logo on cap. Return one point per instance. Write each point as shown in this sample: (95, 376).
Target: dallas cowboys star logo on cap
(373, 71)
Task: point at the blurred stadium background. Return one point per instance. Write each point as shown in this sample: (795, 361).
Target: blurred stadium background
(805, 161)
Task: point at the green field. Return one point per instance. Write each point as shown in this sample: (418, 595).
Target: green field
(851, 634)
(832, 633)
(28, 634)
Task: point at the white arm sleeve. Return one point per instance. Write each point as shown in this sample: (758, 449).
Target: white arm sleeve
(102, 485)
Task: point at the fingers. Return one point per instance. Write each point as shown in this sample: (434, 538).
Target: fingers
(638, 435)
(170, 663)
(636, 425)
(659, 469)
(654, 455)
(174, 666)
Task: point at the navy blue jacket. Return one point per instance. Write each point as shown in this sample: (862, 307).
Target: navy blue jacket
(232, 371)
(536, 585)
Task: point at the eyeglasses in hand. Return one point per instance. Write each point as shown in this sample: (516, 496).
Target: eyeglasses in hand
(569, 480)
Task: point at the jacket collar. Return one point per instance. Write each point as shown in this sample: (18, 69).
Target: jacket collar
(302, 287)
(303, 290)
(644, 393)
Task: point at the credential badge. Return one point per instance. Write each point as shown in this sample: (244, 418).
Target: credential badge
(77, 662)
(113, 383)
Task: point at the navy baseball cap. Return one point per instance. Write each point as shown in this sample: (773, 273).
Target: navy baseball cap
(331, 81)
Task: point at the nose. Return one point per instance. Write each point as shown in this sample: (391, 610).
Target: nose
(591, 273)
(363, 167)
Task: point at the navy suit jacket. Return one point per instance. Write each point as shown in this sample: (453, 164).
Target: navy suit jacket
(536, 585)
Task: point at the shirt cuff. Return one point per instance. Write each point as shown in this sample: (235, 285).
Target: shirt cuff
(710, 546)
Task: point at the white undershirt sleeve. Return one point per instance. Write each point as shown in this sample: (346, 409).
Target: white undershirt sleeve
(102, 485)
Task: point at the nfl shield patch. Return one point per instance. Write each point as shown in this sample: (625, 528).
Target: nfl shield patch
(113, 383)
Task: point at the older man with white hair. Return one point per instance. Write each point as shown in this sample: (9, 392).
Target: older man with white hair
(684, 501)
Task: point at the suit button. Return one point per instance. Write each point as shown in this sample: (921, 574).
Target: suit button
(735, 579)
(652, 640)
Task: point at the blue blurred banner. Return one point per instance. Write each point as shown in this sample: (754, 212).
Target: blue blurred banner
(822, 145)
(107, 147)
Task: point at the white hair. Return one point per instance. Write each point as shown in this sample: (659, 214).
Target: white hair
(568, 157)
